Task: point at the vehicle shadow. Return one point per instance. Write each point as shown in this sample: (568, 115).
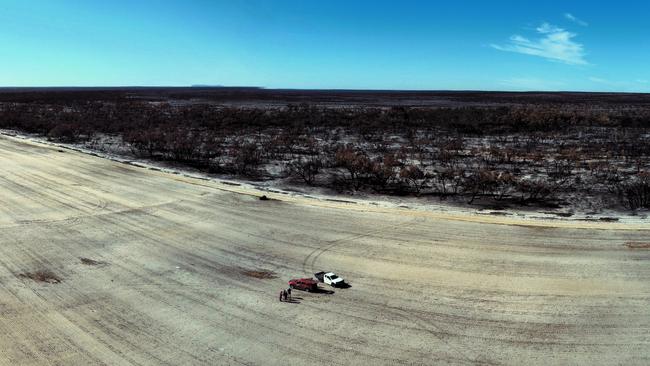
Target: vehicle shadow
(344, 285)
(323, 291)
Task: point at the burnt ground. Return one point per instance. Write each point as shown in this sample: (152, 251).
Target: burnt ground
(567, 152)
(253, 96)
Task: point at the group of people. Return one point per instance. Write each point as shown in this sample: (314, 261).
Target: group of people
(285, 295)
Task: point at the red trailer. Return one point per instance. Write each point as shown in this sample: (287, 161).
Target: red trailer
(305, 284)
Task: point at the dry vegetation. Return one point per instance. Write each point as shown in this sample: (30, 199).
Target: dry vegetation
(90, 262)
(587, 154)
(261, 274)
(637, 245)
(42, 276)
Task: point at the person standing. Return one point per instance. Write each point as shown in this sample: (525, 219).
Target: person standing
(284, 294)
(281, 295)
(289, 293)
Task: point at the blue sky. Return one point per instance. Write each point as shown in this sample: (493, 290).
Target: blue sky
(487, 45)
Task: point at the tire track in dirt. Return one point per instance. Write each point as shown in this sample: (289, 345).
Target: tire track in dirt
(313, 256)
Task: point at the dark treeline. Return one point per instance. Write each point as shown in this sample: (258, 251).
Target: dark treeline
(121, 117)
(527, 154)
(248, 95)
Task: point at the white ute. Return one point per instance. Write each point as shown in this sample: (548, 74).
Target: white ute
(329, 278)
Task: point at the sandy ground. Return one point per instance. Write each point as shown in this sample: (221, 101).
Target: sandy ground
(171, 281)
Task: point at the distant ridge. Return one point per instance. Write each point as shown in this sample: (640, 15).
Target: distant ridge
(207, 86)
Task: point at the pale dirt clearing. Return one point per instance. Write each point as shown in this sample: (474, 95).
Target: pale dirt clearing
(157, 269)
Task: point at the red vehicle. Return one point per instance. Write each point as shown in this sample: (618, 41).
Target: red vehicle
(305, 284)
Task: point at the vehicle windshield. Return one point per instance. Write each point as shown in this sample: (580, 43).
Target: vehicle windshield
(333, 277)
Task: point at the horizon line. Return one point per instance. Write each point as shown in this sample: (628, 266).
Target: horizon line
(199, 86)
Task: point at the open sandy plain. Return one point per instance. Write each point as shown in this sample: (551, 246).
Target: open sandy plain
(183, 271)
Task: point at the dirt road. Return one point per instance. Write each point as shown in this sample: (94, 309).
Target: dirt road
(159, 269)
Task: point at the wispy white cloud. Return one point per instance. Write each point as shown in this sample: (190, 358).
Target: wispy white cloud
(546, 28)
(576, 20)
(555, 44)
